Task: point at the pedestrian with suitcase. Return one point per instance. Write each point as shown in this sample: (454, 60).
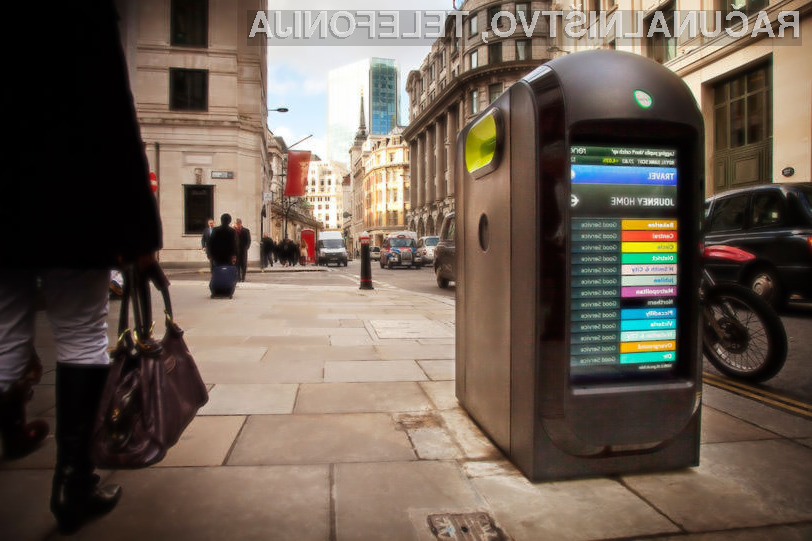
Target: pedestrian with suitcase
(223, 247)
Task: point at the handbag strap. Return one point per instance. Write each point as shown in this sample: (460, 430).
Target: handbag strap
(136, 291)
(124, 310)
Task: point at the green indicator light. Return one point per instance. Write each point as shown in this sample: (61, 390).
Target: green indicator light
(480, 144)
(643, 98)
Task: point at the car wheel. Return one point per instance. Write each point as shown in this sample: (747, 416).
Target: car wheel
(389, 265)
(766, 284)
(442, 283)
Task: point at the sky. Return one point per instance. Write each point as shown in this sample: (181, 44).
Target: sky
(297, 75)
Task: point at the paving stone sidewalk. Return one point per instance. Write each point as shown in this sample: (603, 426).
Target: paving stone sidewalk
(332, 416)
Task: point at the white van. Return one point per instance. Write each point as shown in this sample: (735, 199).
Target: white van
(331, 248)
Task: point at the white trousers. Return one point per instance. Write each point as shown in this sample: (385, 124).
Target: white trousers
(76, 306)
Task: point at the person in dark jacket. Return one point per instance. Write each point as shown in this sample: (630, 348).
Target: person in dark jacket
(223, 244)
(268, 247)
(204, 239)
(243, 244)
(102, 188)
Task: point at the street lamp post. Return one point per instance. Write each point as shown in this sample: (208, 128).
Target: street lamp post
(287, 204)
(264, 212)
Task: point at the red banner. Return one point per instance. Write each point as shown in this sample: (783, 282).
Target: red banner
(298, 165)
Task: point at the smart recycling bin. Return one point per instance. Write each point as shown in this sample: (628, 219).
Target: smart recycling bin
(579, 194)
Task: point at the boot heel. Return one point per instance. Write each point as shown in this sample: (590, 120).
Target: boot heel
(75, 506)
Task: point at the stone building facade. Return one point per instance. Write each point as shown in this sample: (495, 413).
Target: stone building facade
(200, 95)
(325, 192)
(754, 91)
(385, 185)
(458, 79)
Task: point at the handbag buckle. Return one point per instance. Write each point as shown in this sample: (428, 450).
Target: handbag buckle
(148, 344)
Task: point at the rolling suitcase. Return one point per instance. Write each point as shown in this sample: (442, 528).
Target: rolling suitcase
(223, 281)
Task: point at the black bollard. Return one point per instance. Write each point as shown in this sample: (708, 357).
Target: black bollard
(366, 266)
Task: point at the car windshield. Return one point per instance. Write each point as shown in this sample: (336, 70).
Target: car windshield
(401, 243)
(374, 249)
(332, 243)
(432, 241)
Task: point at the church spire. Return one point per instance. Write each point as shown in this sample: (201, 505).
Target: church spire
(361, 134)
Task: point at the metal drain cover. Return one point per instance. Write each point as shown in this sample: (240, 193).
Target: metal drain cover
(466, 526)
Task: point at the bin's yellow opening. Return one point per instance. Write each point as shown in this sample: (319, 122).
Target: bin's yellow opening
(480, 143)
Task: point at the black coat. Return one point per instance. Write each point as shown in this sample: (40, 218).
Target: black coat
(223, 245)
(204, 239)
(75, 162)
(244, 236)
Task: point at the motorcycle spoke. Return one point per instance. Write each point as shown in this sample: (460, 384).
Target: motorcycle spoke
(756, 350)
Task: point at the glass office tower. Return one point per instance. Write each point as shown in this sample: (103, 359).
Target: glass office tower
(378, 80)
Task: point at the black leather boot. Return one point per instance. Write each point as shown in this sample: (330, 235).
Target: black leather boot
(76, 497)
(19, 437)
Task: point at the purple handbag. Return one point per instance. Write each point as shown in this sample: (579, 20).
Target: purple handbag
(153, 390)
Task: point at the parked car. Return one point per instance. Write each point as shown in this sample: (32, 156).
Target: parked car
(399, 249)
(375, 253)
(772, 222)
(425, 248)
(445, 253)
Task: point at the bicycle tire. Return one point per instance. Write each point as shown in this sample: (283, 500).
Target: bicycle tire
(754, 347)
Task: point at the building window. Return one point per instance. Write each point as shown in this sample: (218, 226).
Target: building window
(523, 7)
(474, 56)
(495, 53)
(743, 110)
(198, 207)
(523, 49)
(188, 90)
(474, 102)
(190, 23)
(747, 7)
(492, 11)
(494, 91)
(659, 47)
(473, 28)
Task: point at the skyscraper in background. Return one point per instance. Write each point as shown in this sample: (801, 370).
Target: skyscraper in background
(378, 80)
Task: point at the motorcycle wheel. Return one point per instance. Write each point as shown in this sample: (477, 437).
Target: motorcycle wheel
(752, 344)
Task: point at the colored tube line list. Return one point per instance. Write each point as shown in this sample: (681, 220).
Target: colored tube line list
(618, 263)
(649, 270)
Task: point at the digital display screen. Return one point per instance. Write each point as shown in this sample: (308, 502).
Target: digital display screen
(623, 262)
